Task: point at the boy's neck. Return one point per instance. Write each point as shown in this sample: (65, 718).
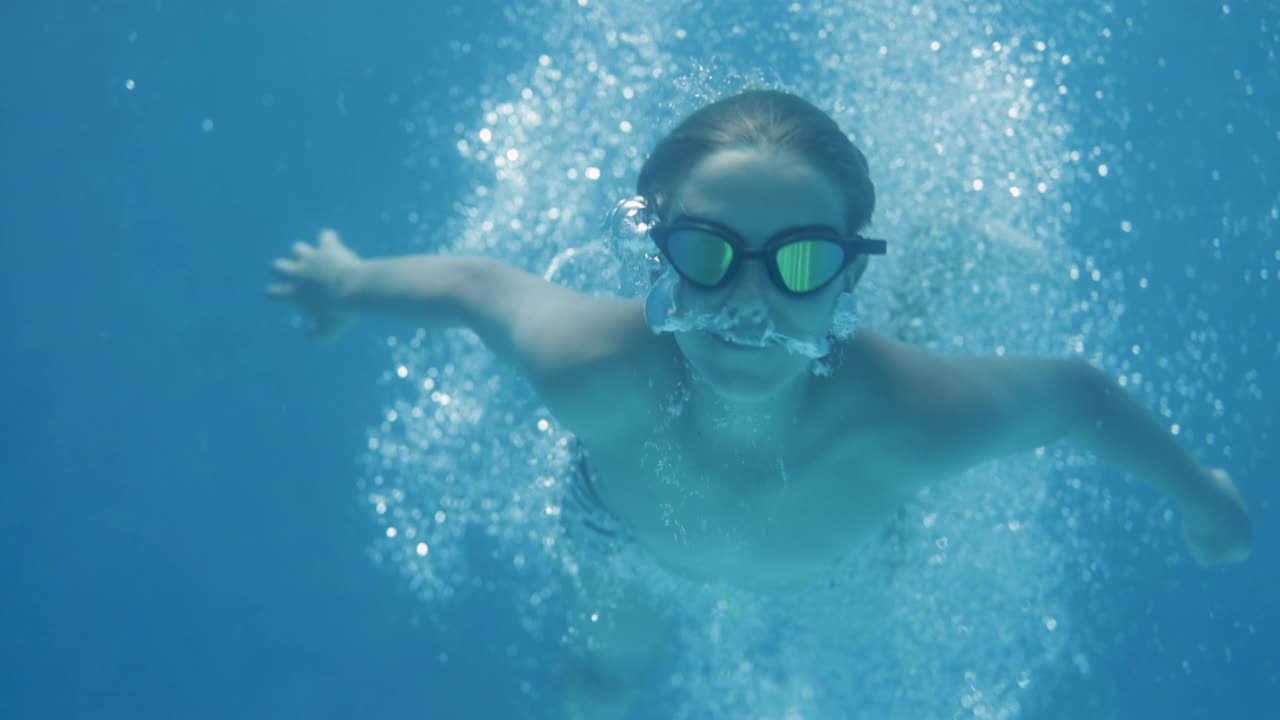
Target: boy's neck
(765, 423)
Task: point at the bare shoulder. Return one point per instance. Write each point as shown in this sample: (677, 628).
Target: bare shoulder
(920, 406)
(570, 333)
(899, 381)
(591, 359)
(594, 361)
(569, 330)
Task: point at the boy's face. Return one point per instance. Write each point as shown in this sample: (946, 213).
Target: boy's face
(758, 193)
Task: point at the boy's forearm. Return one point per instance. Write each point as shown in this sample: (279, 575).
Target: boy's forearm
(1124, 433)
(421, 289)
(447, 291)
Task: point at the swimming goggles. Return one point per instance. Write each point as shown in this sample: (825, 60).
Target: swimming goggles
(799, 260)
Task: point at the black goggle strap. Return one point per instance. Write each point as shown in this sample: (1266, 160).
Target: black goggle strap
(867, 246)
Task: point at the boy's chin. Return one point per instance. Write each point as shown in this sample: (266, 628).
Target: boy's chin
(745, 386)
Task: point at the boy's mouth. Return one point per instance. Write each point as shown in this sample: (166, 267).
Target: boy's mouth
(739, 342)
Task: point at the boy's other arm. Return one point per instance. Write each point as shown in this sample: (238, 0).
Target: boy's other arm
(981, 408)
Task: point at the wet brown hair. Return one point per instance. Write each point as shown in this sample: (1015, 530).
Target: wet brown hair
(760, 119)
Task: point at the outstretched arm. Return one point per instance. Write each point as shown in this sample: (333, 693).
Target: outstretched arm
(997, 406)
(572, 347)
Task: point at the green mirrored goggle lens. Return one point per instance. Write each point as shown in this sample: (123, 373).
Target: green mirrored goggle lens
(808, 264)
(701, 256)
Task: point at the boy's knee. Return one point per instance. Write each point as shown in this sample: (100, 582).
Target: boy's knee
(618, 634)
(614, 649)
(604, 674)
(590, 691)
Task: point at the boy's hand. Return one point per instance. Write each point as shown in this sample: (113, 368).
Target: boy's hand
(317, 280)
(1217, 525)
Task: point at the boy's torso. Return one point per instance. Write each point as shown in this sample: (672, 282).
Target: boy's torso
(715, 509)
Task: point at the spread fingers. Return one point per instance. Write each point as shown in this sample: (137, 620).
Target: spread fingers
(285, 268)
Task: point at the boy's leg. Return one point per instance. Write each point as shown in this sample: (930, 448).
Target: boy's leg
(618, 633)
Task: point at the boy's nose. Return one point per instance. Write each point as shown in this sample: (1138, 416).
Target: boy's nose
(747, 306)
(750, 286)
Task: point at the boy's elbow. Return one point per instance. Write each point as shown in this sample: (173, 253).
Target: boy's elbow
(1086, 393)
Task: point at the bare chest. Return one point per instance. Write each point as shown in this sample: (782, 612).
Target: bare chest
(717, 512)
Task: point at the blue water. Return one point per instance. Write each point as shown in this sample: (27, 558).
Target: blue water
(181, 528)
